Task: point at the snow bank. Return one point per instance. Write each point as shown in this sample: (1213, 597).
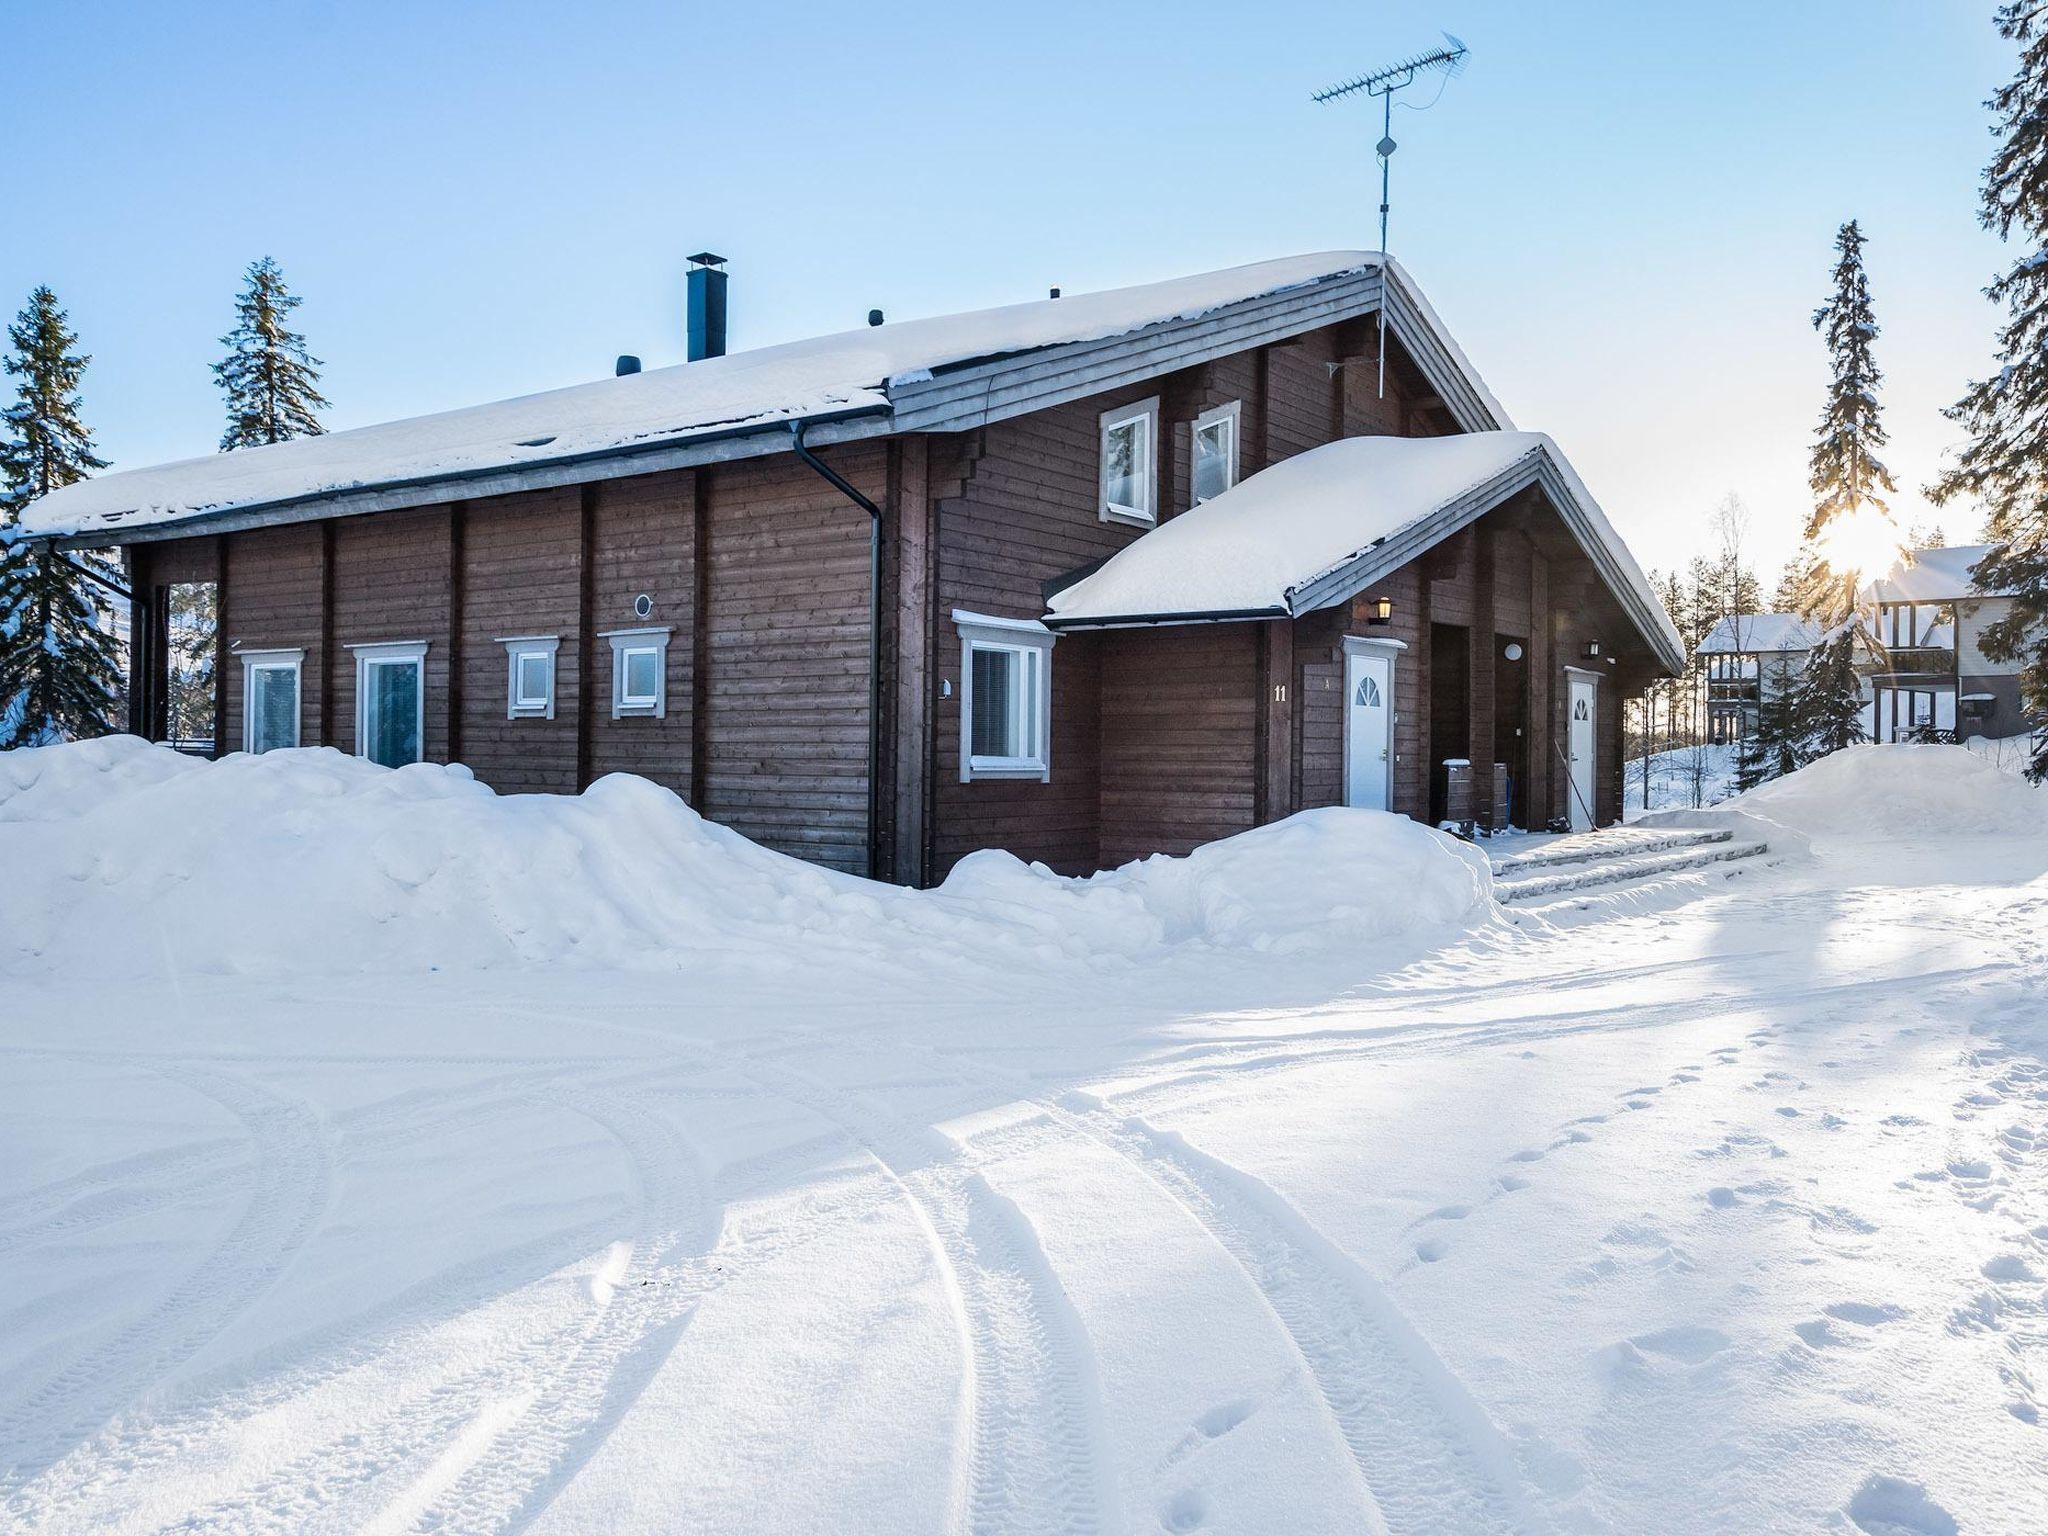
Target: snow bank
(127, 859)
(1893, 790)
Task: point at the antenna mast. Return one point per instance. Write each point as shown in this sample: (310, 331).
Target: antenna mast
(1383, 83)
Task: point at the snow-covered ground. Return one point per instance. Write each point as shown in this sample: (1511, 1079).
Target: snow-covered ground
(1680, 778)
(420, 1159)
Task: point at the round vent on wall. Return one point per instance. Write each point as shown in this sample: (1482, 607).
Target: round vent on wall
(643, 606)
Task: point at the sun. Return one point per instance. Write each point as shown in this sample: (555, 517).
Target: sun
(1861, 542)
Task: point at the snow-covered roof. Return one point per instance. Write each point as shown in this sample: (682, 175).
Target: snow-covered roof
(1931, 575)
(1748, 632)
(1311, 529)
(829, 378)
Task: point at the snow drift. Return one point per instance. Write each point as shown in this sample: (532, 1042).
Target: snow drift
(1893, 790)
(127, 859)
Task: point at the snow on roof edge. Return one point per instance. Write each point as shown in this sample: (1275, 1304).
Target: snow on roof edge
(1201, 563)
(840, 374)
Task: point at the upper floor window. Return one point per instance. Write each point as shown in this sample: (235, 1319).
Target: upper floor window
(391, 702)
(1130, 463)
(530, 676)
(1213, 469)
(270, 699)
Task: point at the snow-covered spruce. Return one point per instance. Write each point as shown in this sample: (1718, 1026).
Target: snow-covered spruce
(2004, 464)
(59, 671)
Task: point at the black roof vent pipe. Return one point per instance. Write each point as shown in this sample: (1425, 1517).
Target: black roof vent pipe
(874, 317)
(626, 364)
(707, 306)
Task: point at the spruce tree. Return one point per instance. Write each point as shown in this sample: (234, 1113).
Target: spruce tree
(59, 670)
(270, 380)
(2004, 464)
(1850, 515)
(1773, 748)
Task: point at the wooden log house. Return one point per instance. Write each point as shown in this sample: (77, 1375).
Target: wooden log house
(846, 595)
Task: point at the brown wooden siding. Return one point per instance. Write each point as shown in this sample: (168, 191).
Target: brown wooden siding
(270, 600)
(642, 544)
(786, 707)
(1179, 722)
(521, 575)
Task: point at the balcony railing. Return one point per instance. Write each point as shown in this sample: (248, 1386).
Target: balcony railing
(1937, 661)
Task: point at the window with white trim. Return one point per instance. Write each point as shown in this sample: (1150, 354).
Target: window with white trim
(270, 699)
(530, 676)
(1005, 697)
(639, 672)
(391, 702)
(1130, 463)
(1212, 467)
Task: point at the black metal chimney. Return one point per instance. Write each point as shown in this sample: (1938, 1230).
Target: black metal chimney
(626, 364)
(707, 306)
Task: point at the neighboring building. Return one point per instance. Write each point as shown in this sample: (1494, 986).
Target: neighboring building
(1751, 657)
(1126, 590)
(1924, 624)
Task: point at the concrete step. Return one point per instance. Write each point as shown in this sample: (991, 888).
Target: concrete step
(1642, 865)
(1602, 846)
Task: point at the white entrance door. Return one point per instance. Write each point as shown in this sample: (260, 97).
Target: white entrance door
(1368, 729)
(1585, 708)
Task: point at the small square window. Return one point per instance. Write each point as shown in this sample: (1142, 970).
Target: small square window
(530, 676)
(1214, 467)
(643, 675)
(1130, 463)
(639, 672)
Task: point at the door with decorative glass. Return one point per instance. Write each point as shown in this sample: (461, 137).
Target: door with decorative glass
(1583, 736)
(1368, 729)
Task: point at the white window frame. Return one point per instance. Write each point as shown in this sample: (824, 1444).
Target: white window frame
(519, 648)
(385, 653)
(632, 642)
(1147, 413)
(1032, 642)
(276, 660)
(1220, 416)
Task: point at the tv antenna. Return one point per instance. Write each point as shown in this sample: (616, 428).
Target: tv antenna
(1383, 83)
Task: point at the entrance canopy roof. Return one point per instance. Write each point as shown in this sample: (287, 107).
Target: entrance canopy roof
(1316, 528)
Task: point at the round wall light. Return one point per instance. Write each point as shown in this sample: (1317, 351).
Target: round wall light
(1513, 651)
(643, 606)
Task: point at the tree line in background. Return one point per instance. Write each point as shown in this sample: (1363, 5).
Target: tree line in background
(61, 648)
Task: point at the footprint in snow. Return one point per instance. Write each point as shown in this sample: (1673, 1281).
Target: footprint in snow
(1897, 1506)
(1185, 1511)
(1691, 1344)
(1721, 1197)
(1528, 1155)
(1430, 1249)
(1509, 1183)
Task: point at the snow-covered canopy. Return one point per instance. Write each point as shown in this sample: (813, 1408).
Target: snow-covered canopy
(1749, 632)
(1932, 575)
(828, 376)
(1269, 544)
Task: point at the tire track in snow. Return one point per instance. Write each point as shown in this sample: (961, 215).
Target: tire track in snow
(428, 1438)
(576, 1397)
(156, 1443)
(1033, 1457)
(1426, 1450)
(290, 1176)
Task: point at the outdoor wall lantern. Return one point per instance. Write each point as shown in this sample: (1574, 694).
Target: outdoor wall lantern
(1382, 611)
(1592, 650)
(1513, 651)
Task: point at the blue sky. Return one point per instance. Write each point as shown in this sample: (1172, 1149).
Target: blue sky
(1623, 211)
